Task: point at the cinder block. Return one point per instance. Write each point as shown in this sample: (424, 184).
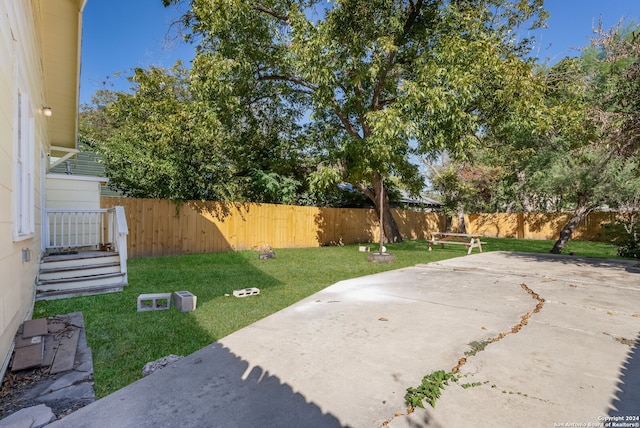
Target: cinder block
(268, 255)
(184, 301)
(244, 292)
(154, 302)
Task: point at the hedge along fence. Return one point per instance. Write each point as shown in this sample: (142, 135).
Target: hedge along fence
(160, 227)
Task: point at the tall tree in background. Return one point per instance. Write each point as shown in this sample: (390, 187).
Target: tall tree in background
(579, 152)
(159, 140)
(594, 157)
(465, 186)
(155, 141)
(374, 80)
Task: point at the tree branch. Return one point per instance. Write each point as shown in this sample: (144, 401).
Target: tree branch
(262, 8)
(336, 108)
(291, 79)
(432, 167)
(377, 91)
(413, 9)
(345, 120)
(414, 12)
(366, 191)
(387, 101)
(357, 90)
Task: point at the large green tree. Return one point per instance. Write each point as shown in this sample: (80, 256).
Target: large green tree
(592, 158)
(375, 81)
(160, 140)
(155, 142)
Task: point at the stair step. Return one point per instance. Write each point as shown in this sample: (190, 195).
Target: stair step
(80, 271)
(78, 255)
(79, 282)
(76, 292)
(81, 274)
(78, 260)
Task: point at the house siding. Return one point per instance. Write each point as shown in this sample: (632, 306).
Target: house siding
(73, 192)
(19, 256)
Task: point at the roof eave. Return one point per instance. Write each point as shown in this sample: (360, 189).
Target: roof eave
(61, 40)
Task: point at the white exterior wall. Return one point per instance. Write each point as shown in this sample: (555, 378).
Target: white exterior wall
(73, 191)
(20, 67)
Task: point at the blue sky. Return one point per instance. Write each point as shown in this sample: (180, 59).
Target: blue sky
(121, 34)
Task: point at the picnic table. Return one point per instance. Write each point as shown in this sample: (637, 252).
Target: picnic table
(470, 240)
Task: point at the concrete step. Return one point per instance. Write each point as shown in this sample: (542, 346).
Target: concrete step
(47, 274)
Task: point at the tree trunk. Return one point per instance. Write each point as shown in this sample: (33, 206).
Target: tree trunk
(448, 221)
(581, 211)
(462, 227)
(391, 229)
(525, 198)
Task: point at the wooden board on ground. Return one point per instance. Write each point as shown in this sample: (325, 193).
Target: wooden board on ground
(50, 348)
(37, 327)
(66, 354)
(27, 357)
(21, 342)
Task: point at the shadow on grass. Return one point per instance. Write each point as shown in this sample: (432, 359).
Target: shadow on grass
(627, 400)
(211, 387)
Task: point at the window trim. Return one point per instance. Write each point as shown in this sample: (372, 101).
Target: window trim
(23, 167)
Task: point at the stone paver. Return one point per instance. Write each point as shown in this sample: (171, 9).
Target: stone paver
(29, 417)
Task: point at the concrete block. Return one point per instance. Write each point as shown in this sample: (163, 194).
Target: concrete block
(244, 292)
(267, 255)
(154, 302)
(184, 301)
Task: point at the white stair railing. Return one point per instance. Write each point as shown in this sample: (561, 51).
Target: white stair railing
(67, 231)
(121, 230)
(72, 230)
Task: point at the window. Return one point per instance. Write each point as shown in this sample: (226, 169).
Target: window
(24, 206)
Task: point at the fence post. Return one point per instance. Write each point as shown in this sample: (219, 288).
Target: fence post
(520, 231)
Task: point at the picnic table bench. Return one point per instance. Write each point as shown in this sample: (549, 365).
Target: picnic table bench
(469, 240)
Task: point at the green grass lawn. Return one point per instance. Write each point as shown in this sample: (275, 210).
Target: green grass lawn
(123, 340)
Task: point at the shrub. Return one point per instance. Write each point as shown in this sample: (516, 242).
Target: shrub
(625, 234)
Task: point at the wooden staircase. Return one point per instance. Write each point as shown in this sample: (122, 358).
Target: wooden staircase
(81, 274)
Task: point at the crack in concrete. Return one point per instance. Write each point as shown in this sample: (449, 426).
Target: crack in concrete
(524, 320)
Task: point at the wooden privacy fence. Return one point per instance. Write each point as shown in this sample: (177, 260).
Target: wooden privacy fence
(539, 225)
(160, 227)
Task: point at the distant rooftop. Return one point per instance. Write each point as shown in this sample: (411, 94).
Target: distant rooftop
(85, 163)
